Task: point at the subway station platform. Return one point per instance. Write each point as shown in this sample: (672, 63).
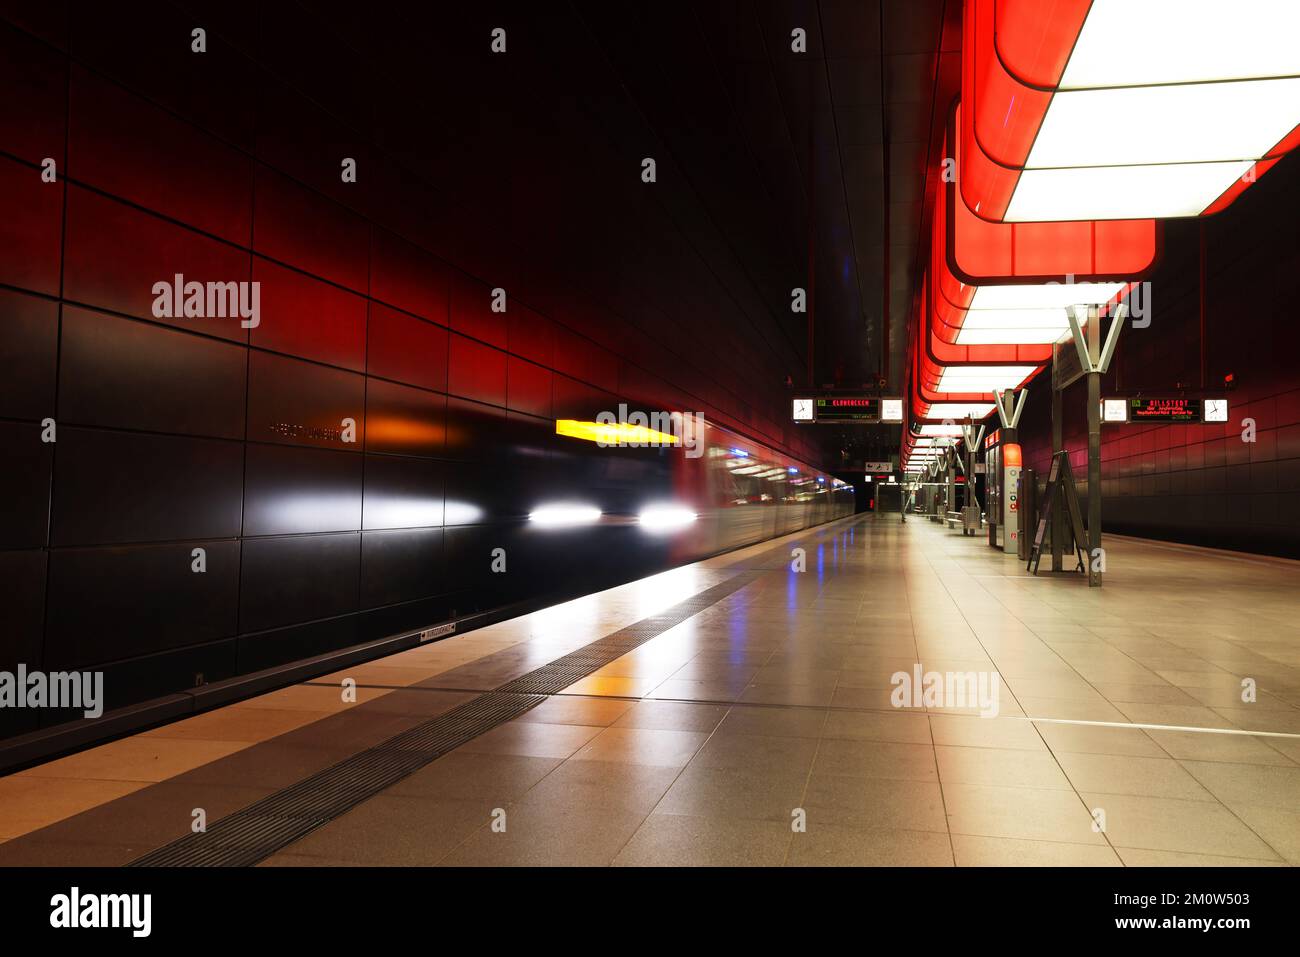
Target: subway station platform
(737, 712)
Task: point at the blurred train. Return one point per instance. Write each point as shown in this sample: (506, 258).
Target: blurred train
(583, 516)
(681, 505)
(512, 517)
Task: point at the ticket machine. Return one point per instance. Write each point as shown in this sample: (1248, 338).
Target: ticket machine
(1012, 513)
(1002, 466)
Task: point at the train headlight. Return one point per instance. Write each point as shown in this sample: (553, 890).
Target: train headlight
(665, 518)
(562, 515)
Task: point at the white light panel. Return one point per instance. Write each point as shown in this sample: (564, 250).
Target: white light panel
(1027, 314)
(982, 378)
(1121, 192)
(1153, 125)
(1136, 42)
(959, 410)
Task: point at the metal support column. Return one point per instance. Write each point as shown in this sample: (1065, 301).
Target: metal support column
(1094, 449)
(1095, 360)
(1058, 494)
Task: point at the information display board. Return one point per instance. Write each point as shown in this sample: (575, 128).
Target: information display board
(1164, 410)
(848, 409)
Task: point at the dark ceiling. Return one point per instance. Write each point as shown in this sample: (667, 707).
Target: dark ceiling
(785, 169)
(767, 135)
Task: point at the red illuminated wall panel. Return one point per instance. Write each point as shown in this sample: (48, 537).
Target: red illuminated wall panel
(405, 348)
(116, 253)
(123, 145)
(29, 228)
(476, 371)
(306, 317)
(472, 313)
(307, 231)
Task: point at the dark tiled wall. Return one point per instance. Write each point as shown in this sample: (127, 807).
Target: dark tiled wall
(1202, 484)
(183, 433)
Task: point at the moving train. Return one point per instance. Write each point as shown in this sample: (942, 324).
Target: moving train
(680, 504)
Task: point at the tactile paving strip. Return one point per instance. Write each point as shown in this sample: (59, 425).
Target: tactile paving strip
(259, 830)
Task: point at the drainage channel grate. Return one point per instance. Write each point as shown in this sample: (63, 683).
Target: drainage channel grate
(259, 830)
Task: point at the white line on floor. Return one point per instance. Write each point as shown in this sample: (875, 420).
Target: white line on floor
(1161, 727)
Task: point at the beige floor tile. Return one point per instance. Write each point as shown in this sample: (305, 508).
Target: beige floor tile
(870, 699)
(673, 840)
(1278, 827)
(613, 686)
(1000, 767)
(312, 697)
(467, 775)
(777, 721)
(237, 724)
(809, 696)
(1126, 774)
(672, 716)
(1280, 721)
(1067, 689)
(533, 740)
(598, 786)
(696, 670)
(874, 802)
(1072, 710)
(876, 759)
(1232, 748)
(732, 793)
(836, 845)
(1037, 814)
(758, 753)
(1259, 784)
(779, 673)
(974, 851)
(682, 690)
(1172, 715)
(976, 732)
(1166, 824)
(1231, 698)
(542, 835)
(1142, 857)
(1144, 694)
(30, 803)
(1288, 747)
(568, 709)
(140, 758)
(396, 831)
(902, 727)
(384, 673)
(1092, 739)
(672, 749)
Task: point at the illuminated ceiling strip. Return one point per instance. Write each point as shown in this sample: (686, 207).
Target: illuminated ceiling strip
(949, 431)
(957, 410)
(1008, 283)
(964, 379)
(1114, 109)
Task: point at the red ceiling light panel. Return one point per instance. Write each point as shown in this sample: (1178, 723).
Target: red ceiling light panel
(1080, 125)
(1117, 109)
